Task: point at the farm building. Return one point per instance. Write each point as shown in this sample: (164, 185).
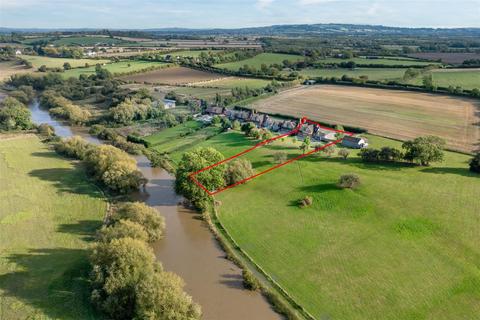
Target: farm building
(215, 110)
(354, 142)
(18, 52)
(169, 104)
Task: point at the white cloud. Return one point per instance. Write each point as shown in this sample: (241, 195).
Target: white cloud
(309, 2)
(262, 4)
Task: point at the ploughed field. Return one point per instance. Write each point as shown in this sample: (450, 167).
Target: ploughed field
(391, 113)
(403, 245)
(173, 76)
(48, 213)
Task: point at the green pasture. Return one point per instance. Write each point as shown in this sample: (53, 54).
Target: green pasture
(403, 245)
(49, 213)
(38, 61)
(258, 60)
(117, 68)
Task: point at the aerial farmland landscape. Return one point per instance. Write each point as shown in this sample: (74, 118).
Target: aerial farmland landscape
(259, 159)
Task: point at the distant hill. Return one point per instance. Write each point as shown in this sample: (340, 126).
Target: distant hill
(294, 29)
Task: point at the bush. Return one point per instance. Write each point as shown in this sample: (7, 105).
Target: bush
(475, 163)
(280, 157)
(74, 147)
(307, 201)
(389, 154)
(237, 170)
(344, 153)
(249, 281)
(145, 216)
(46, 130)
(350, 181)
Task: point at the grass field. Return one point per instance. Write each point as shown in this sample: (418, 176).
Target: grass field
(180, 138)
(397, 114)
(38, 61)
(404, 245)
(188, 53)
(371, 73)
(173, 76)
(8, 68)
(258, 60)
(202, 92)
(116, 68)
(48, 214)
(379, 61)
(232, 82)
(466, 78)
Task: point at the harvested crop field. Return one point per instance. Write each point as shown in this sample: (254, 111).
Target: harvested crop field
(173, 76)
(9, 68)
(396, 114)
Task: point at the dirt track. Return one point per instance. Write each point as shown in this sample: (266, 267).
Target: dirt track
(391, 113)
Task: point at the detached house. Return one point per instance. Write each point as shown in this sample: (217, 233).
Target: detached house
(215, 110)
(354, 142)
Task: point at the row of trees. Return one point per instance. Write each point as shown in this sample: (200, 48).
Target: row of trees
(109, 165)
(421, 150)
(127, 281)
(64, 108)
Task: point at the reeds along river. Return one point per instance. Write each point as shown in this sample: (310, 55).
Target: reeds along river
(188, 247)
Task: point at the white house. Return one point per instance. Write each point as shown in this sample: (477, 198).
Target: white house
(169, 104)
(354, 142)
(18, 52)
(91, 53)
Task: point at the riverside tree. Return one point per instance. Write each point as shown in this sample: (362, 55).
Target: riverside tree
(145, 216)
(212, 179)
(14, 115)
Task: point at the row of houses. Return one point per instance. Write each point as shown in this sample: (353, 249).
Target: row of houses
(315, 132)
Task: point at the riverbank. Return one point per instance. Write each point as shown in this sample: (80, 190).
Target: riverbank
(188, 248)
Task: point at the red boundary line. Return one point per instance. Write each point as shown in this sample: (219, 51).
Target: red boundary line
(302, 121)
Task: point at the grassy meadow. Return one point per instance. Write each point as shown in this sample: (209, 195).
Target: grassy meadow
(87, 41)
(394, 61)
(38, 61)
(258, 60)
(371, 73)
(116, 68)
(465, 78)
(48, 214)
(404, 245)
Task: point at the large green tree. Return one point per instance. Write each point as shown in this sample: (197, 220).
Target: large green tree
(212, 178)
(14, 115)
(424, 150)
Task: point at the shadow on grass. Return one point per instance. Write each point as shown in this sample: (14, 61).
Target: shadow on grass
(46, 154)
(84, 228)
(450, 170)
(54, 281)
(67, 180)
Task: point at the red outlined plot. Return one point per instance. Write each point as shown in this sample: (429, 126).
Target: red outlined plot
(294, 131)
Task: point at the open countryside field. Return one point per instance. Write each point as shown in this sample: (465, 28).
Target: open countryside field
(188, 53)
(258, 60)
(172, 76)
(465, 78)
(38, 61)
(48, 213)
(8, 68)
(234, 82)
(117, 68)
(371, 73)
(392, 249)
(397, 114)
(379, 61)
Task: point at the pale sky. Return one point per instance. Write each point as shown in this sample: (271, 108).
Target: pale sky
(234, 14)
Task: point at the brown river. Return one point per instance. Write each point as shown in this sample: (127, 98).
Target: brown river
(188, 248)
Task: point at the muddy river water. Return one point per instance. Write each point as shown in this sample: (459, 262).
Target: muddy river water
(188, 247)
